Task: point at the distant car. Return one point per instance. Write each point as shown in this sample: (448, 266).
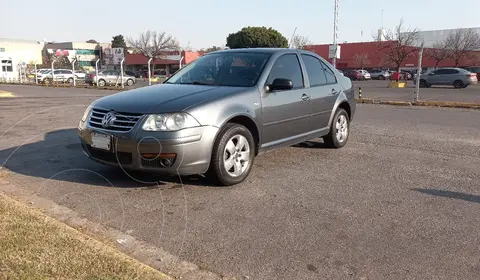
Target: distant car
(457, 77)
(353, 75)
(364, 75)
(130, 73)
(110, 77)
(59, 75)
(379, 74)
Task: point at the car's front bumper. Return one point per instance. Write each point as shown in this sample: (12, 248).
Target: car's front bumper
(189, 149)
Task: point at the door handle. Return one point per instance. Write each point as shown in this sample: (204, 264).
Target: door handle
(334, 91)
(305, 97)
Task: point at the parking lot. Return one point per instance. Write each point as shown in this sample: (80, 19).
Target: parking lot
(376, 89)
(400, 201)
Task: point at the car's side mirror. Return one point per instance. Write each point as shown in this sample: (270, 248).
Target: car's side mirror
(431, 74)
(281, 84)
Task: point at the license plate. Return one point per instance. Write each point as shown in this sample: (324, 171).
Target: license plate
(101, 141)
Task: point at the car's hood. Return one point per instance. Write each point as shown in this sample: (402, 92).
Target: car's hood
(162, 98)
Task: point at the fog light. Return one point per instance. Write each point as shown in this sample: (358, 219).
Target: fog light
(158, 160)
(166, 162)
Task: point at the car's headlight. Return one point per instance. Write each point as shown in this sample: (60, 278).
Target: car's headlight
(169, 122)
(86, 113)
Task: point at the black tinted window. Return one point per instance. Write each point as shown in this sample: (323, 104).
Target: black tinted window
(315, 72)
(287, 67)
(331, 79)
(453, 71)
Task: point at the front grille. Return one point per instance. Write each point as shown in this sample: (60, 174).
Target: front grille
(124, 121)
(118, 157)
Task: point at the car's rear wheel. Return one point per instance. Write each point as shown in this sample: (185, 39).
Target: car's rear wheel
(70, 81)
(129, 82)
(101, 83)
(458, 84)
(381, 77)
(339, 130)
(232, 156)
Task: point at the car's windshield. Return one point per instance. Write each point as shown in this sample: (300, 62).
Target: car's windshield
(238, 69)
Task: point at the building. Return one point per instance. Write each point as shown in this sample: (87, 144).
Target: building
(432, 37)
(167, 64)
(353, 54)
(85, 53)
(17, 52)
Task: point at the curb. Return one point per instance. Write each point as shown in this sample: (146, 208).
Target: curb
(445, 104)
(119, 88)
(6, 94)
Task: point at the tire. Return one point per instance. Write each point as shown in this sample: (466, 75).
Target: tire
(381, 77)
(70, 81)
(458, 84)
(423, 83)
(337, 139)
(101, 83)
(129, 82)
(229, 135)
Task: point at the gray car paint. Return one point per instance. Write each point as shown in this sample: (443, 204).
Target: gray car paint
(279, 118)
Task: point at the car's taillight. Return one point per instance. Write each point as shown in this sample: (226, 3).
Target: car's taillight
(92, 76)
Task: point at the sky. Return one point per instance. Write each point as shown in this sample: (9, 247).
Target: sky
(206, 23)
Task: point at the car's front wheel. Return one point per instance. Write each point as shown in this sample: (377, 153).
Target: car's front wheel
(339, 130)
(232, 156)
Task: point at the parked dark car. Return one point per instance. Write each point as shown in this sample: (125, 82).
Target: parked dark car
(354, 75)
(217, 113)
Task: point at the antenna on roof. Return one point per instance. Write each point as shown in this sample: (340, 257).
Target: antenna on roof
(382, 18)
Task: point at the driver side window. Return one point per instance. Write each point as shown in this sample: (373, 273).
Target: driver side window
(287, 66)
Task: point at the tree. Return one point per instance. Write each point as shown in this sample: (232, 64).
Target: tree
(438, 52)
(153, 44)
(119, 42)
(361, 59)
(208, 50)
(399, 44)
(299, 42)
(257, 37)
(92, 41)
(461, 43)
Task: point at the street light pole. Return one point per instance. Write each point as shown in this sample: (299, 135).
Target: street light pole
(419, 71)
(335, 33)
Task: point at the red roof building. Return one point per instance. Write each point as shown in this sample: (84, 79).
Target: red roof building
(350, 52)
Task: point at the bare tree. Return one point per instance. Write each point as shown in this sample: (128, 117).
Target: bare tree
(461, 43)
(399, 44)
(152, 44)
(438, 52)
(299, 42)
(361, 59)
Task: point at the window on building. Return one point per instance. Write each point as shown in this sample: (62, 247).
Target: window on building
(7, 66)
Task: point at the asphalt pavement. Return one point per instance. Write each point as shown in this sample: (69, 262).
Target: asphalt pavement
(376, 89)
(399, 201)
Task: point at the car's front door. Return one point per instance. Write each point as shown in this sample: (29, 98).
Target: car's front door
(436, 77)
(323, 89)
(286, 113)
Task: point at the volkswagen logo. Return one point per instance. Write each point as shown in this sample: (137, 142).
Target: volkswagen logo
(108, 119)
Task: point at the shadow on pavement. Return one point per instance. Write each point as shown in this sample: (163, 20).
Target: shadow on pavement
(59, 156)
(450, 194)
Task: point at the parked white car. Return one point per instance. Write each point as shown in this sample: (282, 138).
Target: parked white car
(59, 75)
(364, 75)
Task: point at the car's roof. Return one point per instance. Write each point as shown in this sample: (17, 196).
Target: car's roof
(259, 50)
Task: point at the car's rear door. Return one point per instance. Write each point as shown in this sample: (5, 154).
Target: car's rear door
(286, 113)
(323, 88)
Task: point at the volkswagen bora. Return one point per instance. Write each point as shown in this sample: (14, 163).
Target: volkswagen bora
(217, 113)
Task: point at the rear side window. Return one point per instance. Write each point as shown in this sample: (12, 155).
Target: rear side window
(331, 79)
(315, 72)
(287, 66)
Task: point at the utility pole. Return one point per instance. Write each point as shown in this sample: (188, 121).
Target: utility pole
(335, 33)
(419, 71)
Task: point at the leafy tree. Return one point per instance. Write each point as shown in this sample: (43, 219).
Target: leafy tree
(257, 37)
(92, 41)
(119, 42)
(208, 50)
